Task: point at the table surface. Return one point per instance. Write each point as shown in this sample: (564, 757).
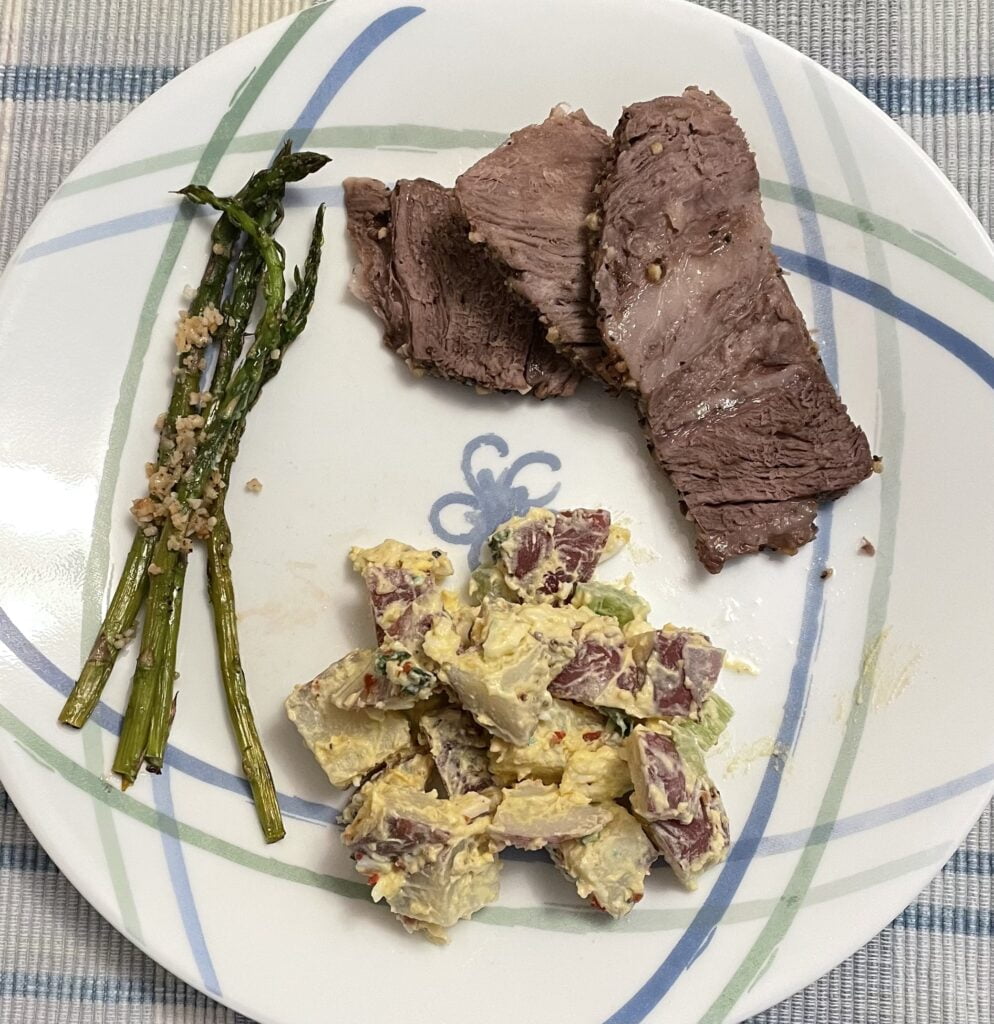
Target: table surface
(70, 71)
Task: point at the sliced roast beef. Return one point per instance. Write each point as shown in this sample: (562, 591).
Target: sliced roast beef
(446, 306)
(737, 406)
(532, 202)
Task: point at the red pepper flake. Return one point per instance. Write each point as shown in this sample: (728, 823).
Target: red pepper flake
(556, 738)
(373, 878)
(637, 897)
(596, 903)
(591, 736)
(406, 667)
(368, 681)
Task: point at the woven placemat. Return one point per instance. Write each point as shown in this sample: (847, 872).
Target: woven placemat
(70, 71)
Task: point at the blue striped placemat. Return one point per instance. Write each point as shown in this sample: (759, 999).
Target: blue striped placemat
(69, 71)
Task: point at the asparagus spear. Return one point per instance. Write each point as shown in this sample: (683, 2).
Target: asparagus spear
(238, 396)
(132, 586)
(131, 589)
(221, 586)
(236, 311)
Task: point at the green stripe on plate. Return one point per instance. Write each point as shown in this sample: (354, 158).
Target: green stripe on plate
(583, 919)
(548, 918)
(93, 758)
(112, 797)
(434, 139)
(369, 136)
(886, 230)
(96, 563)
(798, 892)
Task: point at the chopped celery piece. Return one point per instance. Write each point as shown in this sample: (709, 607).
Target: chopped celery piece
(609, 599)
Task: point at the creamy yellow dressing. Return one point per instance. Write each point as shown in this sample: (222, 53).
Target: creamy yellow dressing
(503, 681)
(532, 814)
(393, 554)
(456, 696)
(347, 744)
(544, 757)
(597, 772)
(611, 866)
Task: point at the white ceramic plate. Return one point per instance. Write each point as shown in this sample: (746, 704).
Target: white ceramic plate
(860, 754)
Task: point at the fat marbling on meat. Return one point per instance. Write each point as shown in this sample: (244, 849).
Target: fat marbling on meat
(532, 202)
(737, 406)
(446, 308)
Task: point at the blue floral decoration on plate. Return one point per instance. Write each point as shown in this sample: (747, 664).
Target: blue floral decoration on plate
(490, 500)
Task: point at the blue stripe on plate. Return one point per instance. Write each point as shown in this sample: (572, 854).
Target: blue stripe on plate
(373, 36)
(699, 933)
(296, 197)
(875, 817)
(112, 228)
(180, 878)
(959, 345)
(109, 719)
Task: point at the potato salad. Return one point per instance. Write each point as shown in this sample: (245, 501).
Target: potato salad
(539, 711)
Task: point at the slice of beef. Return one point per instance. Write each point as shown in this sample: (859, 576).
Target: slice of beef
(735, 401)
(367, 209)
(446, 307)
(532, 202)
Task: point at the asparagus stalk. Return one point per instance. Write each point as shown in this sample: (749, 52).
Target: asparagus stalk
(218, 429)
(132, 586)
(134, 727)
(221, 586)
(236, 311)
(164, 695)
(131, 589)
